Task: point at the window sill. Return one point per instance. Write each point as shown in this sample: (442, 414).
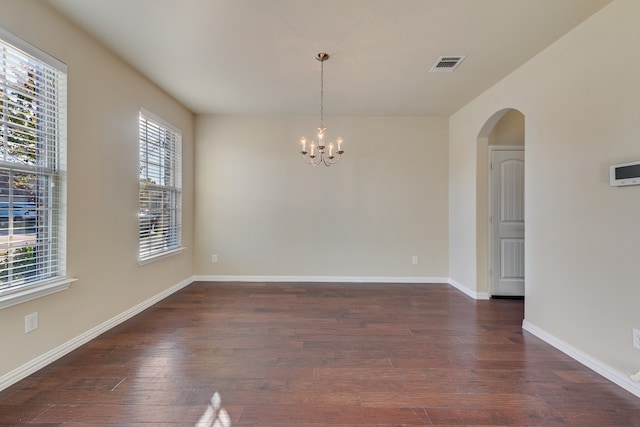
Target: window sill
(35, 291)
(160, 256)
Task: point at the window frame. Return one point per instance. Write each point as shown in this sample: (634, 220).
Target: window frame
(50, 205)
(168, 166)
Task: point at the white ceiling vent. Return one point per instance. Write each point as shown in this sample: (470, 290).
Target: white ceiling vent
(446, 64)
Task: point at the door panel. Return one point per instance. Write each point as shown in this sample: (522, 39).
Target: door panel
(512, 262)
(507, 222)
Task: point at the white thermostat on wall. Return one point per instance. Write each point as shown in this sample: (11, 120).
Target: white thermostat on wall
(624, 174)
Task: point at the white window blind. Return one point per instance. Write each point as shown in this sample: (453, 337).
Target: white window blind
(32, 141)
(160, 215)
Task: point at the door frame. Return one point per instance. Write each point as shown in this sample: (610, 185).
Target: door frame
(491, 228)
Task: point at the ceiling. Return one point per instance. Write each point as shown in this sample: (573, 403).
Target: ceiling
(258, 56)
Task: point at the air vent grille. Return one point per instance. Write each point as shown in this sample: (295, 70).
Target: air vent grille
(446, 64)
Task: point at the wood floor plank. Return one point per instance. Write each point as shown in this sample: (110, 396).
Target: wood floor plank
(318, 355)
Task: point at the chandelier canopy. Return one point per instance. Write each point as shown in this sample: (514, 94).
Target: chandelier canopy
(321, 152)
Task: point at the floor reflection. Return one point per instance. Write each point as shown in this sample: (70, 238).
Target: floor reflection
(215, 415)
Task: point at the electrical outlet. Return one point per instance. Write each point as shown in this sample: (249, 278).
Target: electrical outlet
(214, 258)
(636, 338)
(30, 322)
(414, 260)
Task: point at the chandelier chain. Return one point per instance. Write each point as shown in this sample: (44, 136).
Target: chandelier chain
(322, 94)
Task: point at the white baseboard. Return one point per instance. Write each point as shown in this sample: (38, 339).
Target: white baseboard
(472, 294)
(318, 279)
(619, 378)
(43, 360)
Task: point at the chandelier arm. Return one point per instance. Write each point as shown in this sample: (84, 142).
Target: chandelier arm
(314, 161)
(330, 160)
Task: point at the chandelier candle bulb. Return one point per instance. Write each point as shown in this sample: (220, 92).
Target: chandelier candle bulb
(304, 145)
(331, 150)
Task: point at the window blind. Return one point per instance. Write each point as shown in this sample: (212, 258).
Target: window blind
(160, 197)
(32, 139)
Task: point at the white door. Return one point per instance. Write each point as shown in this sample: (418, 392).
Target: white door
(507, 221)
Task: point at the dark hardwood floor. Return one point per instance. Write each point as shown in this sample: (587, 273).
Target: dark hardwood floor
(302, 355)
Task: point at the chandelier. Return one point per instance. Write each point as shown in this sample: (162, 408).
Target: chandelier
(321, 152)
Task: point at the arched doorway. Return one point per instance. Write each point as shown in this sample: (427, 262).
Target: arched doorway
(500, 261)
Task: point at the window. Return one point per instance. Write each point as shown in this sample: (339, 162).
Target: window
(160, 197)
(32, 142)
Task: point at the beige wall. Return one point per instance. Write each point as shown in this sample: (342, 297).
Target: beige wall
(104, 95)
(264, 212)
(581, 234)
(509, 130)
